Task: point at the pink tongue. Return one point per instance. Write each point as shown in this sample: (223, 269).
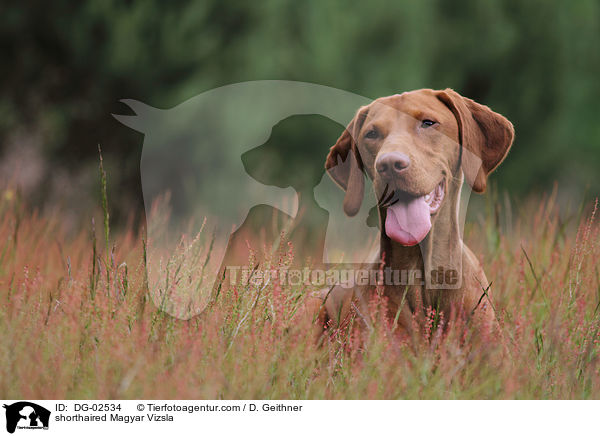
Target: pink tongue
(408, 222)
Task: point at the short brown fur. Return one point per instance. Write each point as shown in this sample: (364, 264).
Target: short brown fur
(471, 140)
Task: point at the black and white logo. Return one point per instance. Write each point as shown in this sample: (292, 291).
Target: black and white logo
(26, 415)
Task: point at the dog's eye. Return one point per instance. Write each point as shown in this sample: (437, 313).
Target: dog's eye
(371, 134)
(427, 123)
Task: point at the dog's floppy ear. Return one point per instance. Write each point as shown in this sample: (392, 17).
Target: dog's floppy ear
(485, 137)
(345, 167)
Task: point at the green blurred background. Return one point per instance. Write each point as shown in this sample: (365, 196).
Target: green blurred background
(66, 65)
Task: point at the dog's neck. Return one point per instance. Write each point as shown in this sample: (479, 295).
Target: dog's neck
(441, 250)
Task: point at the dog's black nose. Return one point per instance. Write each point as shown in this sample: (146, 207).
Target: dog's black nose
(389, 164)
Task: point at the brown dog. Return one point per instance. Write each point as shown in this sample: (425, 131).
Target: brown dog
(417, 148)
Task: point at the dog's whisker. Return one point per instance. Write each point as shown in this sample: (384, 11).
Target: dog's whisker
(380, 201)
(391, 199)
(385, 200)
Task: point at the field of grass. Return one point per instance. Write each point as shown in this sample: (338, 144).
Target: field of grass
(77, 322)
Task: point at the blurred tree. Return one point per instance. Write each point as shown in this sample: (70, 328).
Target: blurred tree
(66, 65)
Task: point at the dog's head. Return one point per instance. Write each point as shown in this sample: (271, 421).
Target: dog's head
(411, 145)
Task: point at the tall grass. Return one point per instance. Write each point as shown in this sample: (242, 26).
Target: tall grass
(76, 322)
